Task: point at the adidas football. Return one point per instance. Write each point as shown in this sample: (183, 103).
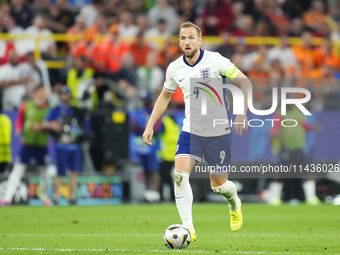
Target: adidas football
(176, 237)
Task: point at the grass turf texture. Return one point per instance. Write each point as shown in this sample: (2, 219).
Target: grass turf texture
(138, 229)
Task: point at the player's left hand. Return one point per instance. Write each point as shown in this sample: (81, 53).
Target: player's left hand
(241, 124)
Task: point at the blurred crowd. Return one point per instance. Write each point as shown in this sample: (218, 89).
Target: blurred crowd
(124, 47)
(119, 54)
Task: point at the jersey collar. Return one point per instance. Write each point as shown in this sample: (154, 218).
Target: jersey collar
(198, 60)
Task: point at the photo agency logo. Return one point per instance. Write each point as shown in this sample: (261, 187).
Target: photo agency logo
(212, 93)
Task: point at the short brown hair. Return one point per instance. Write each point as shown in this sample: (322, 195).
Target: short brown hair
(190, 24)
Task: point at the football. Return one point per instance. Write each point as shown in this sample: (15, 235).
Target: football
(176, 236)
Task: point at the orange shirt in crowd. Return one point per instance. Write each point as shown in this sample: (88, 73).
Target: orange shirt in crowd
(139, 53)
(79, 49)
(306, 57)
(114, 54)
(311, 17)
(320, 57)
(260, 80)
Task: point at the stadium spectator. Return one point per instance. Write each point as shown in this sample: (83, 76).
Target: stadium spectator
(147, 154)
(292, 141)
(127, 92)
(140, 49)
(34, 144)
(39, 28)
(77, 29)
(79, 26)
(13, 29)
(259, 77)
(245, 26)
(226, 49)
(12, 82)
(5, 141)
(284, 54)
(296, 27)
(111, 11)
(163, 11)
(91, 11)
(262, 29)
(217, 16)
(21, 13)
(61, 17)
(158, 31)
(5, 48)
(169, 133)
(187, 10)
(134, 6)
(126, 25)
(67, 124)
(42, 7)
(100, 27)
(110, 52)
(142, 23)
(80, 76)
(238, 10)
(314, 17)
(258, 54)
(304, 54)
(277, 17)
(150, 76)
(324, 31)
(9, 24)
(325, 53)
(36, 70)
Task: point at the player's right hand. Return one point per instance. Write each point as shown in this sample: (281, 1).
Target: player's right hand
(147, 135)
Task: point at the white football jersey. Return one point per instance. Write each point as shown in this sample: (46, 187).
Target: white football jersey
(210, 65)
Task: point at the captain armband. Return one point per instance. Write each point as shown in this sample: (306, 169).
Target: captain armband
(232, 72)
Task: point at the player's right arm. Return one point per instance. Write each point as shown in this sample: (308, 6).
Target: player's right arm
(159, 108)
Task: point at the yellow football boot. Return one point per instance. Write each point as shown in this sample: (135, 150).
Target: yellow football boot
(236, 219)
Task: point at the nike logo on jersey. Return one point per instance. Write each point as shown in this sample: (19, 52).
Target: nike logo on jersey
(181, 80)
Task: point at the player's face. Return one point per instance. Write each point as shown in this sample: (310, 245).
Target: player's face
(189, 41)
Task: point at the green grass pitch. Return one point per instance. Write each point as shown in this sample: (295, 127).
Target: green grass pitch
(138, 229)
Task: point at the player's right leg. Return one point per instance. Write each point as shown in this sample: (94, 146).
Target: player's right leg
(188, 151)
(183, 192)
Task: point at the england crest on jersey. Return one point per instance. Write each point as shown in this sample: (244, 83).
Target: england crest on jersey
(205, 73)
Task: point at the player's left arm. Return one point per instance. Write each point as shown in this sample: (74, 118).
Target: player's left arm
(242, 81)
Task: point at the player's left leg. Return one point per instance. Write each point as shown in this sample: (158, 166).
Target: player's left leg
(217, 153)
(221, 185)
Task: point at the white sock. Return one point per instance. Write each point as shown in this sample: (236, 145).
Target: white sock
(229, 191)
(43, 182)
(184, 198)
(14, 181)
(276, 189)
(309, 188)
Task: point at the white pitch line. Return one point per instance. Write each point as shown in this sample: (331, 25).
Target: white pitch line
(136, 234)
(153, 251)
(76, 235)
